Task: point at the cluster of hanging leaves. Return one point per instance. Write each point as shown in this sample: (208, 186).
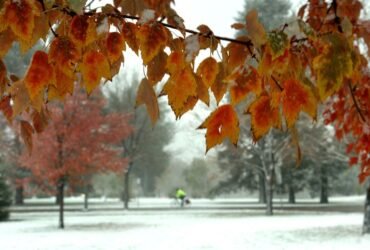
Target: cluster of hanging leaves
(282, 74)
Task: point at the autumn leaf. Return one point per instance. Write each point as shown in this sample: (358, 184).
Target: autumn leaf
(157, 67)
(129, 33)
(243, 82)
(175, 62)
(6, 108)
(152, 39)
(20, 17)
(221, 124)
(255, 29)
(6, 40)
(39, 74)
(219, 87)
(77, 5)
(147, 96)
(115, 45)
(179, 88)
(94, 67)
(297, 97)
(208, 70)
(333, 65)
(64, 54)
(202, 90)
(235, 54)
(3, 77)
(263, 116)
(278, 42)
(83, 30)
(26, 134)
(20, 97)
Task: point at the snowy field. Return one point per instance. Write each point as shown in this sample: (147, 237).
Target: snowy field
(191, 228)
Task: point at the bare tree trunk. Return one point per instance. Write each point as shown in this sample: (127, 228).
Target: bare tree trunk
(61, 203)
(291, 193)
(269, 194)
(86, 199)
(366, 226)
(126, 194)
(19, 198)
(324, 185)
(261, 188)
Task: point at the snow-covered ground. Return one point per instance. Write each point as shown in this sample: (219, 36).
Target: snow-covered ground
(188, 228)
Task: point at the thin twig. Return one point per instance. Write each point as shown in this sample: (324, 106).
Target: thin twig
(277, 83)
(355, 102)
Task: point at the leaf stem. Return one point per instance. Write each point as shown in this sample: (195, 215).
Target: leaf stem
(355, 102)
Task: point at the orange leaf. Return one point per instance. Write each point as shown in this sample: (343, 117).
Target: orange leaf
(115, 45)
(19, 94)
(208, 70)
(175, 62)
(26, 134)
(20, 17)
(179, 88)
(235, 54)
(63, 85)
(255, 29)
(39, 74)
(6, 108)
(94, 66)
(297, 97)
(202, 90)
(219, 87)
(152, 39)
(242, 83)
(64, 54)
(157, 67)
(263, 117)
(78, 29)
(221, 124)
(6, 40)
(146, 95)
(129, 33)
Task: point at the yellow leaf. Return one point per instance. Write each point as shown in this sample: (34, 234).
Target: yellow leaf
(179, 88)
(208, 70)
(19, 94)
(221, 124)
(175, 62)
(94, 67)
(333, 65)
(255, 29)
(152, 39)
(146, 95)
(83, 30)
(39, 75)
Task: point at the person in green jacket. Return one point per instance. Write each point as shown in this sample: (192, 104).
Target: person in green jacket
(180, 194)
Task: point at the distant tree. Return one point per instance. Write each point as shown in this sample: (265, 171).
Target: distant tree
(5, 198)
(197, 178)
(79, 141)
(145, 146)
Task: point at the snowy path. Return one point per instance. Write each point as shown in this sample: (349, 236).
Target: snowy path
(184, 229)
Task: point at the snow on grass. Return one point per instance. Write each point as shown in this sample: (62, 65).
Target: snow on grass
(184, 229)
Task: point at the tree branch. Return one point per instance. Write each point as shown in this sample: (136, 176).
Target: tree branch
(355, 102)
